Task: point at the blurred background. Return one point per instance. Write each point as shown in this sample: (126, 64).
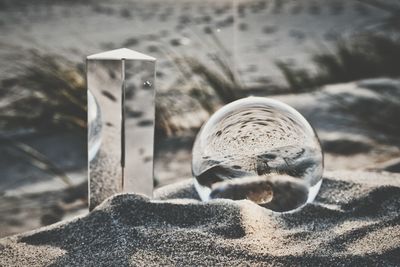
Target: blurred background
(336, 61)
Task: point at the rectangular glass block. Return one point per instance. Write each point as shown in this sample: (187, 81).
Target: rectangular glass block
(120, 124)
(139, 126)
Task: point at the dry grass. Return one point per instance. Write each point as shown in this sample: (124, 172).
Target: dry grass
(365, 56)
(51, 96)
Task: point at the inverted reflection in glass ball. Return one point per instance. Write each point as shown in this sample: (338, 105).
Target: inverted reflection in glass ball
(258, 149)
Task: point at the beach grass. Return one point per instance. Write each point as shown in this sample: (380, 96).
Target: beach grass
(52, 94)
(360, 57)
(51, 98)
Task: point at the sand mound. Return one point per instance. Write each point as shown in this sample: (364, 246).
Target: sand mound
(354, 220)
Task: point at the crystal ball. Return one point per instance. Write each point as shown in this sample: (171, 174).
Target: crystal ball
(258, 149)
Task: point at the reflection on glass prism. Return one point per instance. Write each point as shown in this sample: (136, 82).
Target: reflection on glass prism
(120, 123)
(94, 126)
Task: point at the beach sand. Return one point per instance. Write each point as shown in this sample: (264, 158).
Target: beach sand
(355, 217)
(354, 221)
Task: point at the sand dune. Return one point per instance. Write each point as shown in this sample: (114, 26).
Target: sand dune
(354, 220)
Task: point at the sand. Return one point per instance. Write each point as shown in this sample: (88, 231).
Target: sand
(266, 31)
(353, 221)
(355, 218)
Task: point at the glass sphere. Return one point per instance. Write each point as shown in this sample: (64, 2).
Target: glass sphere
(94, 126)
(258, 149)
